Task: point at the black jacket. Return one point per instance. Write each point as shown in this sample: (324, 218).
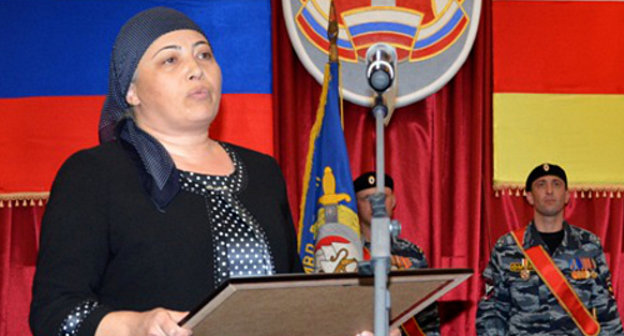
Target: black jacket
(103, 239)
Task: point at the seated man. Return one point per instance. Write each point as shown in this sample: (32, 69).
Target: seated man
(405, 255)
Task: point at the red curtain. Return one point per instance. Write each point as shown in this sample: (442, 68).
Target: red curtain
(19, 231)
(439, 152)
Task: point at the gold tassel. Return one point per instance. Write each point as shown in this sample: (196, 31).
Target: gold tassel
(24, 203)
(604, 193)
(582, 194)
(575, 194)
(619, 194)
(517, 192)
(16, 204)
(40, 203)
(523, 193)
(1, 204)
(496, 194)
(589, 194)
(32, 203)
(10, 204)
(611, 194)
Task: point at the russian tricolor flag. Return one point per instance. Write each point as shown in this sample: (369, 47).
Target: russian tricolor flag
(54, 75)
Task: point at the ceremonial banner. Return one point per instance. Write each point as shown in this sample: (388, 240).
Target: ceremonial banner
(432, 39)
(54, 75)
(328, 190)
(558, 92)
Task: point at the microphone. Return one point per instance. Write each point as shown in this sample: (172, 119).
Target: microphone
(380, 66)
(381, 73)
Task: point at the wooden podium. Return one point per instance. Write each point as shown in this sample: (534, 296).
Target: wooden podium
(315, 304)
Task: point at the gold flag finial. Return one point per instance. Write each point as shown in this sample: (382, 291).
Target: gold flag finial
(332, 33)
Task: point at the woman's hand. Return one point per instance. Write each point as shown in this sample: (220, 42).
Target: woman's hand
(156, 322)
(393, 332)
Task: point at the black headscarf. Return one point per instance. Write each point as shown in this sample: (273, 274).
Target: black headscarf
(161, 178)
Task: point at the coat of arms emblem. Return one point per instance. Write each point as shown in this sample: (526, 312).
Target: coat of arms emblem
(432, 39)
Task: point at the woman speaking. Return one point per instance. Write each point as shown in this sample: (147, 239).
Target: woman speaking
(146, 225)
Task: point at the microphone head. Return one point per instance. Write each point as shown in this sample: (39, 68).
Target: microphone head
(380, 80)
(380, 61)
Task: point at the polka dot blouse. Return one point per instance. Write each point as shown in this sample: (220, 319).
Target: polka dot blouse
(241, 247)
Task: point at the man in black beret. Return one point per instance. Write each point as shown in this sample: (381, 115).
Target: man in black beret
(550, 277)
(364, 186)
(405, 255)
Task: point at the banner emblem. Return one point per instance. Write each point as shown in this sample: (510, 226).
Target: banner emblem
(432, 39)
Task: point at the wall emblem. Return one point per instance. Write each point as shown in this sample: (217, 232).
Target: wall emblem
(432, 39)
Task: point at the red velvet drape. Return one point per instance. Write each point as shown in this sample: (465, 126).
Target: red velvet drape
(439, 152)
(19, 232)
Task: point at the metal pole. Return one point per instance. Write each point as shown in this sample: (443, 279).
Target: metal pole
(380, 230)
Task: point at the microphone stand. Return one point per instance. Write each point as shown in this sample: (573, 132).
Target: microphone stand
(380, 74)
(380, 228)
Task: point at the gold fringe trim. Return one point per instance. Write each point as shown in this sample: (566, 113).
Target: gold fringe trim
(576, 191)
(24, 199)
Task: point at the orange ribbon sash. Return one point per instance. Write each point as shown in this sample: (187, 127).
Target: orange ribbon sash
(411, 328)
(558, 285)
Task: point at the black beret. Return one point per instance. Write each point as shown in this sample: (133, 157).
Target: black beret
(369, 180)
(544, 170)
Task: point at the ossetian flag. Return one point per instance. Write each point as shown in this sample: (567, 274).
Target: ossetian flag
(54, 70)
(559, 93)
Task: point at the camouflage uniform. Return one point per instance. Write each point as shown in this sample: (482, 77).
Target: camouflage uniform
(406, 255)
(515, 306)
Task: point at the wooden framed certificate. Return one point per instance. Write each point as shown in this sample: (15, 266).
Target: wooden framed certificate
(315, 304)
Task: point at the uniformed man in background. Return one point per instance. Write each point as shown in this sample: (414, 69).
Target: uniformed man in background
(405, 255)
(550, 277)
